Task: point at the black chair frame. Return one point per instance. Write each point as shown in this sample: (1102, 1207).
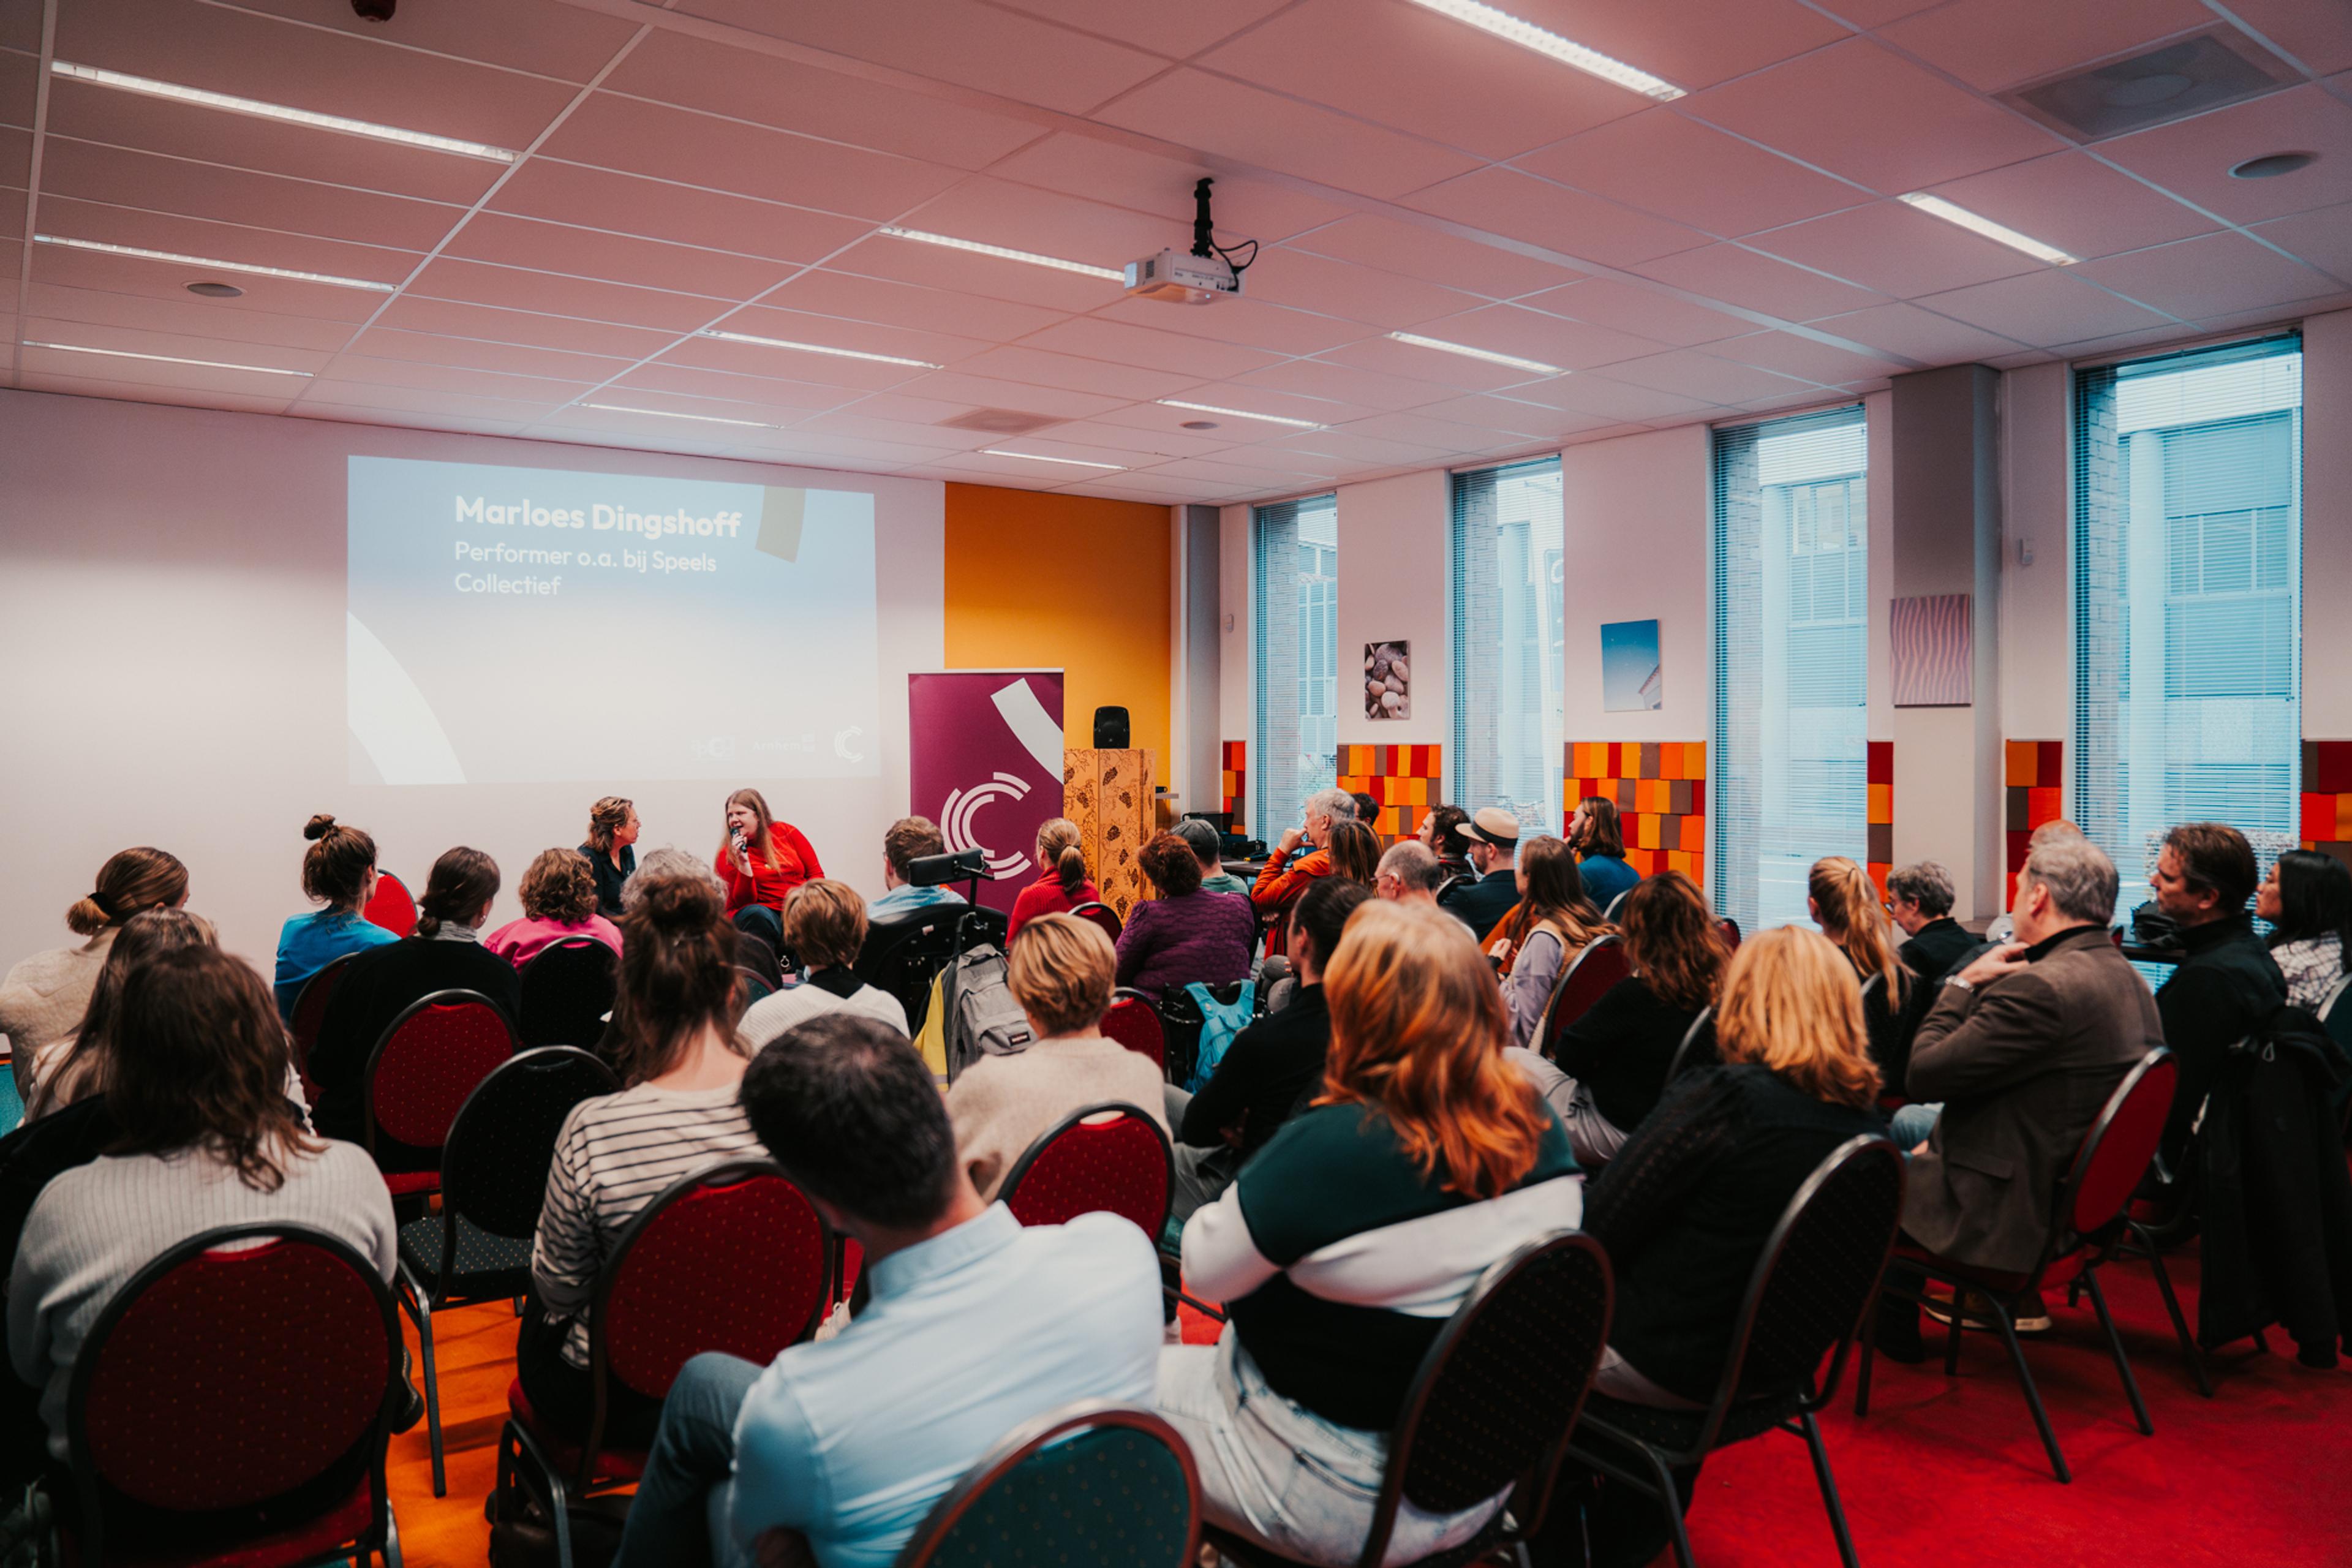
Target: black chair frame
(1029, 1156)
(1547, 1036)
(450, 998)
(332, 973)
(1685, 1055)
(570, 944)
(1087, 1416)
(383, 1537)
(1794, 1413)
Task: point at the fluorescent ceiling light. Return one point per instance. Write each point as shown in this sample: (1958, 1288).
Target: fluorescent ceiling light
(279, 112)
(1528, 36)
(165, 358)
(1514, 361)
(1240, 414)
(667, 414)
(1031, 257)
(1039, 457)
(1936, 206)
(815, 349)
(139, 253)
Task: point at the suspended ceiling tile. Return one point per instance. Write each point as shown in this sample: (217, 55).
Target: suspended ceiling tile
(1664, 162)
(1499, 416)
(71, 218)
(164, 281)
(1311, 282)
(1537, 335)
(1093, 337)
(1237, 120)
(2192, 158)
(1164, 443)
(1646, 312)
(1175, 31)
(1447, 373)
(1997, 44)
(1040, 368)
(194, 389)
(2322, 238)
(232, 321)
(511, 359)
(194, 345)
(154, 183)
(544, 36)
(456, 319)
(1689, 373)
(1506, 201)
(1159, 186)
(1895, 249)
(2317, 36)
(787, 400)
(1342, 384)
(1920, 334)
(935, 267)
(20, 81)
(511, 288)
(15, 159)
(785, 365)
(367, 370)
(2217, 275)
(683, 214)
(986, 392)
(2075, 202)
(823, 292)
(2043, 308)
(1433, 256)
(1594, 393)
(534, 244)
(1704, 42)
(1789, 354)
(1022, 217)
(1251, 324)
(1755, 281)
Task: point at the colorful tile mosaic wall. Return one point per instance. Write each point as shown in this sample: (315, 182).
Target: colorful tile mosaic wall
(1404, 780)
(2327, 797)
(1660, 788)
(1879, 811)
(2035, 774)
(1237, 780)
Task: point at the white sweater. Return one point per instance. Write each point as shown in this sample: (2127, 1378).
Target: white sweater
(771, 1015)
(44, 997)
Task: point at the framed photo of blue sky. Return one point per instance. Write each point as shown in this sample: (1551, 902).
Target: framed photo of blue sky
(1630, 672)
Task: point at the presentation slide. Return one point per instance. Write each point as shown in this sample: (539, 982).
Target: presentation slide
(537, 625)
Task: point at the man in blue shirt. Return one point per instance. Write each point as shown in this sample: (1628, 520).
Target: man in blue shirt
(835, 1451)
(909, 840)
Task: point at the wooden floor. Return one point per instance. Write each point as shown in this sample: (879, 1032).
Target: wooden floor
(475, 1347)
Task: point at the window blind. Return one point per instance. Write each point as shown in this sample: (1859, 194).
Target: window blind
(1295, 657)
(2187, 596)
(1789, 767)
(1505, 626)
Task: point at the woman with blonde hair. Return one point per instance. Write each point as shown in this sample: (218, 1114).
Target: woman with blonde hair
(1062, 884)
(612, 829)
(559, 904)
(762, 859)
(1552, 923)
(1845, 902)
(44, 997)
(1341, 1249)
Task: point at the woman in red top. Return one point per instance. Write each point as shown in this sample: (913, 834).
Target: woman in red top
(761, 860)
(1062, 884)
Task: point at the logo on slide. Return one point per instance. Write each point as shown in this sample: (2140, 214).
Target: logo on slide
(963, 802)
(841, 744)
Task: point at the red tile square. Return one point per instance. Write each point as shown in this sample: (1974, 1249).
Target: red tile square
(1698, 797)
(2318, 818)
(2017, 843)
(2043, 805)
(1880, 766)
(2049, 770)
(2334, 769)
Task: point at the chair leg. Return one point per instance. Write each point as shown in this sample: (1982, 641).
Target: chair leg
(1828, 1483)
(391, 1541)
(526, 1453)
(1670, 1499)
(1952, 1332)
(2172, 1309)
(423, 1311)
(2032, 1395)
(2090, 1278)
(1862, 1373)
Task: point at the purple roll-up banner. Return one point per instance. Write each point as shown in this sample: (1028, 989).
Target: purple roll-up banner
(985, 763)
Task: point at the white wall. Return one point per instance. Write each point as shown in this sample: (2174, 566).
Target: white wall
(2037, 606)
(1235, 693)
(171, 620)
(1636, 542)
(1393, 578)
(2328, 526)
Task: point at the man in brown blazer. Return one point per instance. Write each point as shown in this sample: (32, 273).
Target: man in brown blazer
(2022, 1047)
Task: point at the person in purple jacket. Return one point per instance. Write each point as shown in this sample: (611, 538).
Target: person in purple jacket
(1186, 933)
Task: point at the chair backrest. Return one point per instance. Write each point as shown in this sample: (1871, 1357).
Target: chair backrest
(1102, 915)
(1816, 1277)
(234, 1368)
(1697, 1048)
(2116, 1151)
(1498, 1392)
(567, 988)
(1093, 1482)
(1134, 1022)
(390, 907)
(494, 1166)
(751, 986)
(1121, 1163)
(442, 1045)
(310, 1007)
(1730, 932)
(1615, 904)
(2336, 1013)
(1585, 981)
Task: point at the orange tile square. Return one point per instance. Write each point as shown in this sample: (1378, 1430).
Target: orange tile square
(2343, 817)
(2021, 763)
(1670, 759)
(1693, 829)
(1695, 758)
(1881, 807)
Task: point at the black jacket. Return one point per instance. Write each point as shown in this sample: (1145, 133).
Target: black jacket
(2226, 988)
(1263, 1074)
(1621, 1049)
(1934, 953)
(377, 988)
(1484, 903)
(608, 880)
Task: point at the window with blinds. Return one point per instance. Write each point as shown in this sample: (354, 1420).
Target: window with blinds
(1789, 767)
(1293, 618)
(1508, 657)
(2187, 596)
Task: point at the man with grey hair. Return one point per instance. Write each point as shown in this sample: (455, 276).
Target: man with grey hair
(1408, 873)
(1208, 847)
(1282, 881)
(2050, 832)
(1919, 897)
(2022, 1049)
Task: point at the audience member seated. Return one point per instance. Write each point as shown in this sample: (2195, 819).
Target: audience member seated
(1552, 923)
(1441, 833)
(1344, 1246)
(1184, 936)
(679, 1058)
(2307, 899)
(339, 872)
(1282, 880)
(1208, 847)
(1367, 810)
(1613, 1061)
(1494, 839)
(2228, 983)
(1919, 897)
(1060, 971)
(1408, 873)
(1599, 835)
(1271, 1069)
(443, 954)
(909, 839)
(612, 829)
(559, 904)
(1686, 1206)
(1355, 852)
(1843, 902)
(2000, 929)
(44, 997)
(825, 923)
(762, 859)
(206, 1138)
(837, 1450)
(1062, 884)
(2011, 1067)
(74, 1069)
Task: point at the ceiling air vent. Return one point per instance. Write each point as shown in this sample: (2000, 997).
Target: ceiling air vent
(1000, 421)
(2208, 68)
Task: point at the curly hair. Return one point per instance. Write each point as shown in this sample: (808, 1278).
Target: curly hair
(1674, 941)
(1172, 867)
(560, 885)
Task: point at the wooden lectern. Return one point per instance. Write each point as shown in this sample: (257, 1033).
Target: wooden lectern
(1108, 795)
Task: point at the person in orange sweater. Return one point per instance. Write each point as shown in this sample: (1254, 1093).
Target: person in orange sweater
(761, 860)
(1284, 878)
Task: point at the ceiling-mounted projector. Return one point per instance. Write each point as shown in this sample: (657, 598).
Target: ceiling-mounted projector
(1190, 278)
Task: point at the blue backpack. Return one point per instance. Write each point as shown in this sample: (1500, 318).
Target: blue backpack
(1219, 1022)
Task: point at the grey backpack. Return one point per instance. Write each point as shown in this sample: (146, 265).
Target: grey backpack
(982, 1018)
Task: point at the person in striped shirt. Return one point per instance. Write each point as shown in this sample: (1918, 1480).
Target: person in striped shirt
(683, 1064)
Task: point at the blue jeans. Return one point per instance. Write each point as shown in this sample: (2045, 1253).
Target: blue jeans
(1913, 1122)
(679, 1517)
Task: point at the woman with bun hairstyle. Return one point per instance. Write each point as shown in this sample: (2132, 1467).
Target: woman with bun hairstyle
(612, 829)
(338, 871)
(74, 1068)
(762, 859)
(1062, 884)
(43, 998)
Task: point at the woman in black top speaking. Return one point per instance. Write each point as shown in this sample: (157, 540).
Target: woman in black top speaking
(612, 829)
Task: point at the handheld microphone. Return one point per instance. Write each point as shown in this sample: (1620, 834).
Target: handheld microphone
(737, 838)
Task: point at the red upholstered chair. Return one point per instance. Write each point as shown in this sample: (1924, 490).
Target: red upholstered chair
(434, 1054)
(1730, 932)
(232, 1406)
(1102, 915)
(311, 1013)
(1134, 1023)
(1585, 981)
(2087, 1226)
(733, 1258)
(391, 907)
(1110, 1157)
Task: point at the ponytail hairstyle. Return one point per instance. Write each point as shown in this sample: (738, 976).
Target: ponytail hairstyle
(606, 819)
(462, 882)
(762, 847)
(1058, 852)
(1555, 894)
(677, 973)
(335, 868)
(1355, 852)
(131, 881)
(81, 1071)
(1851, 917)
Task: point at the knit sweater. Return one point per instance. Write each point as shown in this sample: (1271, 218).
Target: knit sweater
(44, 997)
(1000, 1105)
(96, 1226)
(1203, 937)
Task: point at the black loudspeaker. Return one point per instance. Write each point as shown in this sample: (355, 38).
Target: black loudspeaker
(1110, 729)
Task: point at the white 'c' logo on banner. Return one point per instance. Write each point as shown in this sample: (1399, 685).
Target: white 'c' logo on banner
(962, 805)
